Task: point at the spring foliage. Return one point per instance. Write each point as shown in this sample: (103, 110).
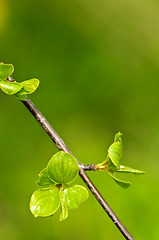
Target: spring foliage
(55, 192)
(112, 163)
(20, 90)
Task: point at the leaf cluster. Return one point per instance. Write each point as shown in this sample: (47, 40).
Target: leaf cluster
(112, 163)
(20, 90)
(55, 192)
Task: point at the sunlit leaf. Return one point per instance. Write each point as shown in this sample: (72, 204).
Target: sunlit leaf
(44, 202)
(29, 86)
(117, 137)
(115, 150)
(44, 179)
(75, 195)
(6, 70)
(63, 168)
(115, 153)
(124, 169)
(10, 88)
(122, 183)
(22, 97)
(64, 207)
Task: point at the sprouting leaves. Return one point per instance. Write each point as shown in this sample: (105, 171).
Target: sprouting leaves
(61, 170)
(124, 169)
(64, 206)
(6, 70)
(112, 163)
(44, 202)
(44, 180)
(28, 87)
(10, 88)
(75, 195)
(20, 90)
(115, 150)
(122, 183)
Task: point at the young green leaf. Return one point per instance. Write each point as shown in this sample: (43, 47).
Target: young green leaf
(75, 195)
(22, 97)
(44, 179)
(29, 86)
(44, 202)
(10, 88)
(62, 168)
(115, 150)
(124, 169)
(64, 207)
(6, 70)
(117, 137)
(115, 153)
(122, 183)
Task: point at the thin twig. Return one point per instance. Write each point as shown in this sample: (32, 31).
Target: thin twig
(62, 147)
(82, 167)
(89, 167)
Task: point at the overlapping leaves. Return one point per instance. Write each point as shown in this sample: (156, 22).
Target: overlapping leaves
(112, 163)
(61, 170)
(20, 90)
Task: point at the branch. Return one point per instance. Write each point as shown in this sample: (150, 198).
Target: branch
(62, 147)
(82, 167)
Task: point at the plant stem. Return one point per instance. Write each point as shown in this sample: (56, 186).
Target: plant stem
(62, 147)
(82, 167)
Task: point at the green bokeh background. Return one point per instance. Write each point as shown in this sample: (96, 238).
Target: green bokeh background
(98, 64)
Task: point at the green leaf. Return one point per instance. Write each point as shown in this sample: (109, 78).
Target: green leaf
(122, 183)
(10, 88)
(21, 97)
(44, 179)
(6, 70)
(115, 153)
(64, 207)
(29, 86)
(44, 202)
(62, 168)
(115, 150)
(75, 195)
(124, 169)
(117, 137)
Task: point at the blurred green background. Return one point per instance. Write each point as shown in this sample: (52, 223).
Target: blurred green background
(98, 64)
